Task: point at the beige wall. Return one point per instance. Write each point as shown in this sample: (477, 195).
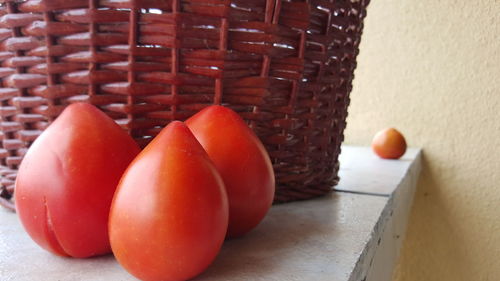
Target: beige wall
(432, 70)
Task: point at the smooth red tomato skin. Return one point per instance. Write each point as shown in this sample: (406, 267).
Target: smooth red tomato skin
(67, 179)
(243, 163)
(170, 212)
(389, 144)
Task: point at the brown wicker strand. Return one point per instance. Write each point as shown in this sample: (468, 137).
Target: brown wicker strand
(175, 56)
(132, 42)
(219, 86)
(9, 125)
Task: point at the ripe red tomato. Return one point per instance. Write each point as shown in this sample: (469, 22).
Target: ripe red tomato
(243, 163)
(67, 179)
(169, 215)
(389, 144)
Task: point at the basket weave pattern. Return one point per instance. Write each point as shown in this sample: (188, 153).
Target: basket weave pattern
(285, 66)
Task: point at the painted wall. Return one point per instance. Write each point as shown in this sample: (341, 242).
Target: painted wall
(432, 70)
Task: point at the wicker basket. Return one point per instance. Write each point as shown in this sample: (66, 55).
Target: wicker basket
(285, 65)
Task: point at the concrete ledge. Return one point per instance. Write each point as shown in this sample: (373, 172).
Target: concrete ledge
(352, 234)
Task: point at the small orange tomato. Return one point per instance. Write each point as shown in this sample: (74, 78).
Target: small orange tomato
(389, 144)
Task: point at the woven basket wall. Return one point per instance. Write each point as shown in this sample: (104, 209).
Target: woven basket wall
(285, 66)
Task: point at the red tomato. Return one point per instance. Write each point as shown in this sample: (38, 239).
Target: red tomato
(243, 163)
(67, 179)
(389, 144)
(170, 212)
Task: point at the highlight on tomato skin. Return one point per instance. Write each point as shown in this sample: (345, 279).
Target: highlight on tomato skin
(389, 144)
(243, 163)
(67, 179)
(169, 216)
